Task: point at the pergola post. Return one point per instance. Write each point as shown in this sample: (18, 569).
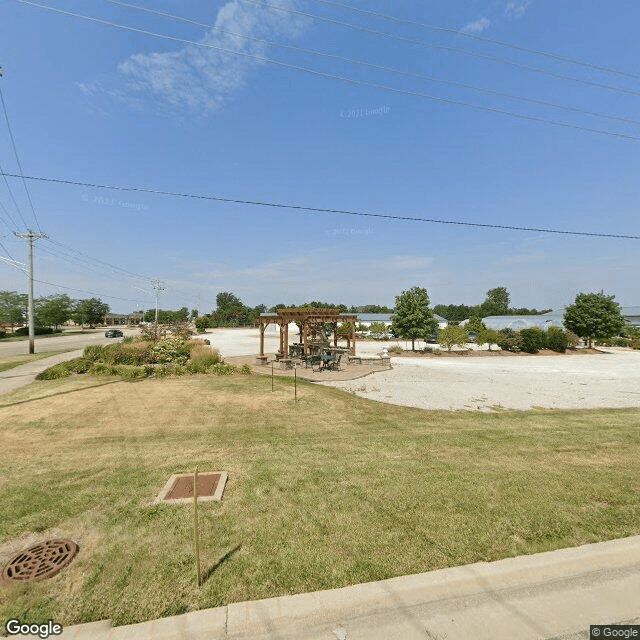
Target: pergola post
(262, 330)
(304, 338)
(285, 349)
(353, 338)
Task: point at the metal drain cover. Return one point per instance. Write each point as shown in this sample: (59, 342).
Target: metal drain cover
(179, 487)
(39, 562)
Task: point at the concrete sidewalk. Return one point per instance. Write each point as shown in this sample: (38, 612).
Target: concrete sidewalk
(22, 375)
(557, 595)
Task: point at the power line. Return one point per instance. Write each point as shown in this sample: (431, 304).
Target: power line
(4, 177)
(422, 43)
(13, 222)
(371, 65)
(8, 254)
(475, 36)
(102, 262)
(375, 85)
(326, 210)
(15, 151)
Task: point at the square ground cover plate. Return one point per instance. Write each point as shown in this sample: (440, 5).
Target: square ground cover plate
(179, 488)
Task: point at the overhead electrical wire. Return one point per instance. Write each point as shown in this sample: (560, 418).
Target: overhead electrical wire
(375, 85)
(13, 222)
(61, 286)
(474, 36)
(379, 67)
(4, 177)
(422, 43)
(15, 151)
(102, 262)
(296, 207)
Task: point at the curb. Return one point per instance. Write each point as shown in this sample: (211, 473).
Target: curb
(291, 616)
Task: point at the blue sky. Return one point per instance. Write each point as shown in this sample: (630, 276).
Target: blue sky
(93, 103)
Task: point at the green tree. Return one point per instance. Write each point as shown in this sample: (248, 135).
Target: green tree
(594, 316)
(13, 308)
(496, 303)
(229, 309)
(378, 327)
(413, 319)
(475, 324)
(453, 334)
(90, 311)
(52, 311)
(488, 337)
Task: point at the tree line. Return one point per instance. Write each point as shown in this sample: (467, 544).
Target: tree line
(50, 311)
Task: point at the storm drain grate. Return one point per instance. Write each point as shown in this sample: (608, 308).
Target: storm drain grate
(42, 561)
(179, 488)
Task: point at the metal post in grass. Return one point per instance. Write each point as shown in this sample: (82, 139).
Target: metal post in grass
(272, 376)
(196, 537)
(295, 381)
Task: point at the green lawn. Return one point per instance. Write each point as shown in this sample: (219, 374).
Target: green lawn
(331, 491)
(16, 361)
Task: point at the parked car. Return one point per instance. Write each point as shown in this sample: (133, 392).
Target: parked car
(113, 333)
(472, 335)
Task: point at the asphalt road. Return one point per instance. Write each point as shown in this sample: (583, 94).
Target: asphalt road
(61, 342)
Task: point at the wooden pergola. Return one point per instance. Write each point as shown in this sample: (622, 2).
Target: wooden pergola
(311, 323)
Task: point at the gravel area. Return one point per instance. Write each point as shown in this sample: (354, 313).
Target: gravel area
(608, 379)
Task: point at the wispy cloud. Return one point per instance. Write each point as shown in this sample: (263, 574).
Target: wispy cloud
(477, 26)
(197, 78)
(517, 9)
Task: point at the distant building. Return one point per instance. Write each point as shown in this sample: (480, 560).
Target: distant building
(545, 320)
(631, 315)
(368, 318)
(118, 318)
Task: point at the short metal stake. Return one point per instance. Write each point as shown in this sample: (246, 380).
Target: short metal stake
(272, 376)
(195, 524)
(295, 381)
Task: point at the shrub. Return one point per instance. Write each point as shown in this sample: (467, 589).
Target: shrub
(396, 349)
(65, 369)
(488, 337)
(510, 340)
(93, 352)
(174, 349)
(533, 340)
(38, 331)
(55, 372)
(246, 369)
(127, 340)
(203, 355)
(635, 343)
(572, 338)
(557, 340)
(202, 323)
(3, 333)
(102, 369)
(451, 335)
(221, 369)
(129, 372)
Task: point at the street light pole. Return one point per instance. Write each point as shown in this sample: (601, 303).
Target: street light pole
(30, 237)
(158, 285)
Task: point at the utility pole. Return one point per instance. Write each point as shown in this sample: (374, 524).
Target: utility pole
(158, 285)
(30, 237)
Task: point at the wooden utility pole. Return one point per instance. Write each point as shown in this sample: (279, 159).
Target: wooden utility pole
(30, 236)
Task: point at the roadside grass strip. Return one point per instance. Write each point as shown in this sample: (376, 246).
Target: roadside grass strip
(330, 491)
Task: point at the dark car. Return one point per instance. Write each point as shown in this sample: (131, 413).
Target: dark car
(113, 333)
(473, 335)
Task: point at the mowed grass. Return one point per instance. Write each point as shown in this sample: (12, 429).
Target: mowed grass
(15, 361)
(331, 491)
